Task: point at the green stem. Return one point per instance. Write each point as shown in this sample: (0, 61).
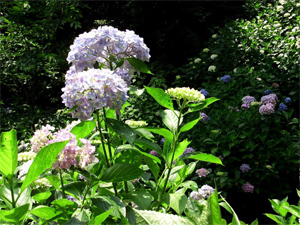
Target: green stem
(126, 186)
(62, 184)
(107, 136)
(12, 193)
(84, 197)
(102, 140)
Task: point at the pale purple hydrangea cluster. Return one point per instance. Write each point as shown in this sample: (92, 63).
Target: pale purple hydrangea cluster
(41, 138)
(94, 89)
(202, 172)
(226, 78)
(98, 44)
(269, 102)
(204, 192)
(89, 88)
(154, 153)
(245, 168)
(187, 151)
(204, 117)
(247, 101)
(248, 187)
(72, 154)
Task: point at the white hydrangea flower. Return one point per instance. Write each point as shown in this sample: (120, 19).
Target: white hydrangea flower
(136, 123)
(206, 50)
(197, 60)
(213, 56)
(26, 156)
(214, 36)
(24, 168)
(191, 95)
(212, 68)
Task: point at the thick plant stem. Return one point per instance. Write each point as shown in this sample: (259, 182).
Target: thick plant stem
(102, 140)
(107, 136)
(62, 184)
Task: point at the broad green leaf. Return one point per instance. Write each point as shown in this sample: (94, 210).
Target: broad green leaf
(8, 153)
(83, 129)
(276, 218)
(54, 180)
(235, 219)
(100, 218)
(106, 203)
(41, 197)
(206, 158)
(153, 166)
(202, 105)
(15, 215)
(131, 147)
(121, 172)
(139, 65)
(79, 218)
(122, 129)
(161, 97)
(129, 157)
(255, 222)
(170, 119)
(194, 209)
(189, 125)
(142, 199)
(212, 212)
(161, 131)
(156, 218)
(278, 206)
(19, 198)
(136, 91)
(295, 210)
(176, 201)
(298, 193)
(144, 133)
(76, 188)
(43, 160)
(44, 212)
(180, 148)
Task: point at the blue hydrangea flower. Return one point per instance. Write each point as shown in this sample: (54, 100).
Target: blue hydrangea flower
(282, 107)
(245, 168)
(226, 78)
(204, 117)
(266, 92)
(288, 100)
(204, 92)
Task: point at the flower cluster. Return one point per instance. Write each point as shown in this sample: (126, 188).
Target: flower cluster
(204, 117)
(99, 44)
(202, 172)
(248, 99)
(204, 192)
(269, 102)
(282, 107)
(212, 68)
(185, 93)
(248, 187)
(41, 137)
(266, 92)
(26, 156)
(245, 168)
(154, 153)
(42, 183)
(225, 78)
(197, 60)
(213, 56)
(133, 123)
(72, 154)
(288, 100)
(94, 89)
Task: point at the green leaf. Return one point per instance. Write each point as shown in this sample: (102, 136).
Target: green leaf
(161, 131)
(8, 153)
(122, 129)
(76, 188)
(211, 213)
(136, 91)
(161, 97)
(144, 133)
(100, 218)
(131, 147)
(79, 218)
(44, 212)
(15, 215)
(129, 157)
(65, 205)
(235, 219)
(202, 105)
(139, 65)
(156, 218)
(19, 198)
(153, 166)
(276, 218)
(121, 172)
(41, 197)
(83, 129)
(206, 158)
(176, 201)
(278, 206)
(170, 119)
(142, 199)
(189, 125)
(255, 222)
(43, 160)
(295, 210)
(106, 203)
